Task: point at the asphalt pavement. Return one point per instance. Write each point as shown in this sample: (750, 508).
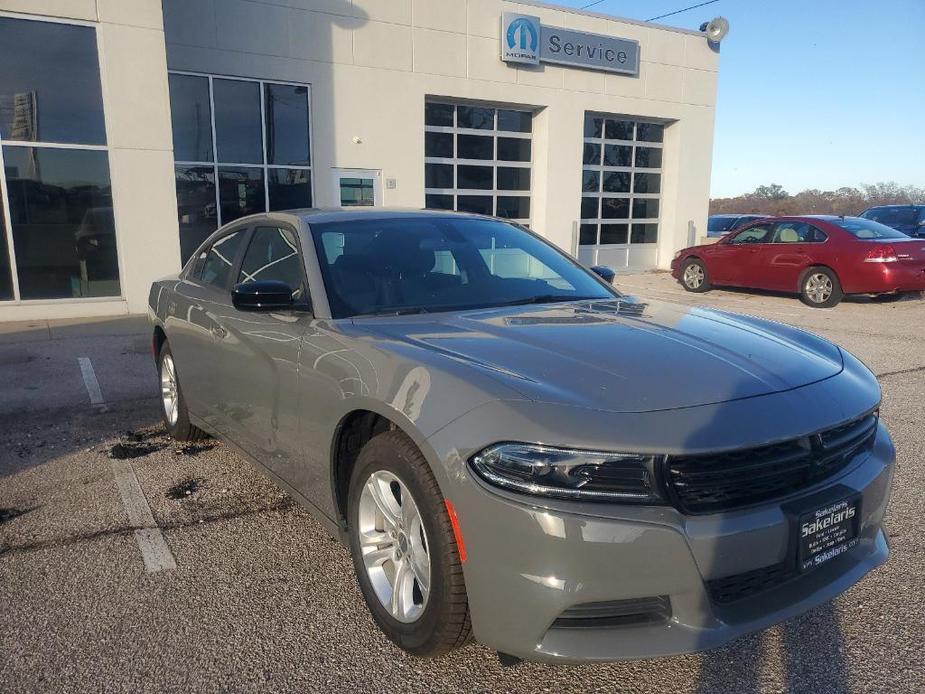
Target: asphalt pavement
(251, 594)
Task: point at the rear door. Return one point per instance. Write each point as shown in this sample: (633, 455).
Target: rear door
(194, 322)
(793, 248)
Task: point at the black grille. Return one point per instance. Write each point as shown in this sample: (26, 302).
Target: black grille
(744, 585)
(726, 481)
(615, 613)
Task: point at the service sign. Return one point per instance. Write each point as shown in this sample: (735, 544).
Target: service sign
(526, 41)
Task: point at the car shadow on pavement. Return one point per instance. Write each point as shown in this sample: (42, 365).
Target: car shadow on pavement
(811, 658)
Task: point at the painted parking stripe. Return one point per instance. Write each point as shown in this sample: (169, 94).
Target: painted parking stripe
(90, 382)
(154, 550)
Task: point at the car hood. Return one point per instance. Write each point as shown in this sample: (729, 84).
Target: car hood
(621, 356)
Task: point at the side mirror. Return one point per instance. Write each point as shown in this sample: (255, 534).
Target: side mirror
(605, 273)
(269, 295)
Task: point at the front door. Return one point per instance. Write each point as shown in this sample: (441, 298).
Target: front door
(358, 187)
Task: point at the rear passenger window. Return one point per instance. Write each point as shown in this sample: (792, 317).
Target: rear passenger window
(219, 260)
(273, 254)
(797, 232)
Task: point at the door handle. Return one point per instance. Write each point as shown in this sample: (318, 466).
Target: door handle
(219, 331)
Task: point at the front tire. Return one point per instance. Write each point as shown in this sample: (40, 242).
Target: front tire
(173, 404)
(820, 288)
(404, 548)
(694, 276)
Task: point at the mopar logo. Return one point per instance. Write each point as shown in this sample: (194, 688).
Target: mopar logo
(527, 31)
(520, 38)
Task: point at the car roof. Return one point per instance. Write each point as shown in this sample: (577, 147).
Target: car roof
(318, 215)
(741, 214)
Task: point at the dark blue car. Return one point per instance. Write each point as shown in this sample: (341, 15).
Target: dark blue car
(909, 219)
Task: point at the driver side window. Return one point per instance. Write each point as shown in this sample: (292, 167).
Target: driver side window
(273, 254)
(760, 233)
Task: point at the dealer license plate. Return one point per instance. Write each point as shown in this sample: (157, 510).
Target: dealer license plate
(828, 532)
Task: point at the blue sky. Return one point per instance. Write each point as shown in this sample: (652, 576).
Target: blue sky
(812, 93)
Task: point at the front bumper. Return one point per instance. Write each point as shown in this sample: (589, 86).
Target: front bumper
(529, 562)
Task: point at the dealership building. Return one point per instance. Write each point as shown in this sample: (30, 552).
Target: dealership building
(132, 129)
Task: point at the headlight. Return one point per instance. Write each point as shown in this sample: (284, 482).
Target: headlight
(567, 473)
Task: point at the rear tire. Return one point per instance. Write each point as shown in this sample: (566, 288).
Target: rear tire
(820, 288)
(173, 404)
(401, 535)
(694, 276)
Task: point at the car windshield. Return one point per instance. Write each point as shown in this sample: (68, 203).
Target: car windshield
(866, 229)
(720, 223)
(891, 215)
(425, 264)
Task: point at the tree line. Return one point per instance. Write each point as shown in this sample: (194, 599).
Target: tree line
(774, 200)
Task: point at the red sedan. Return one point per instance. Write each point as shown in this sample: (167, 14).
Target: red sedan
(821, 258)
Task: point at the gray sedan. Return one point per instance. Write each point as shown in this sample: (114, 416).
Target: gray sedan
(513, 451)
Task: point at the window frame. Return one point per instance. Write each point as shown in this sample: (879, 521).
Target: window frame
(495, 133)
(263, 167)
(602, 169)
(6, 216)
(194, 273)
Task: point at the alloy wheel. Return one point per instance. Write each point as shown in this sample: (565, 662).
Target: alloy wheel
(394, 546)
(819, 287)
(693, 276)
(169, 392)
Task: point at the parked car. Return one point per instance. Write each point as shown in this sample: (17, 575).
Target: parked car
(514, 451)
(821, 258)
(721, 224)
(909, 219)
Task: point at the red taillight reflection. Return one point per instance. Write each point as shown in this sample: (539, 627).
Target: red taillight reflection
(881, 254)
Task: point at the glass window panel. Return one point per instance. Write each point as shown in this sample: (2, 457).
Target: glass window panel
(240, 191)
(590, 181)
(645, 208)
(616, 182)
(238, 133)
(190, 118)
(618, 155)
(357, 192)
(587, 234)
(438, 145)
(513, 206)
(650, 132)
(273, 254)
(513, 178)
(614, 233)
(474, 147)
(618, 130)
(63, 230)
(479, 204)
(615, 208)
(515, 121)
(646, 182)
(649, 157)
(6, 273)
(592, 154)
(477, 177)
(438, 114)
(645, 233)
(220, 259)
(475, 117)
(50, 83)
(513, 149)
(594, 126)
(590, 207)
(196, 208)
(438, 176)
(289, 189)
(438, 202)
(286, 111)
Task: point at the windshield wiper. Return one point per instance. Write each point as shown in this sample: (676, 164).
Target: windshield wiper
(395, 311)
(548, 299)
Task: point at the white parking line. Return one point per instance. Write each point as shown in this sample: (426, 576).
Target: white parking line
(92, 385)
(154, 550)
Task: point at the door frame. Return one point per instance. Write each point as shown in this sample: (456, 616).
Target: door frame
(375, 174)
